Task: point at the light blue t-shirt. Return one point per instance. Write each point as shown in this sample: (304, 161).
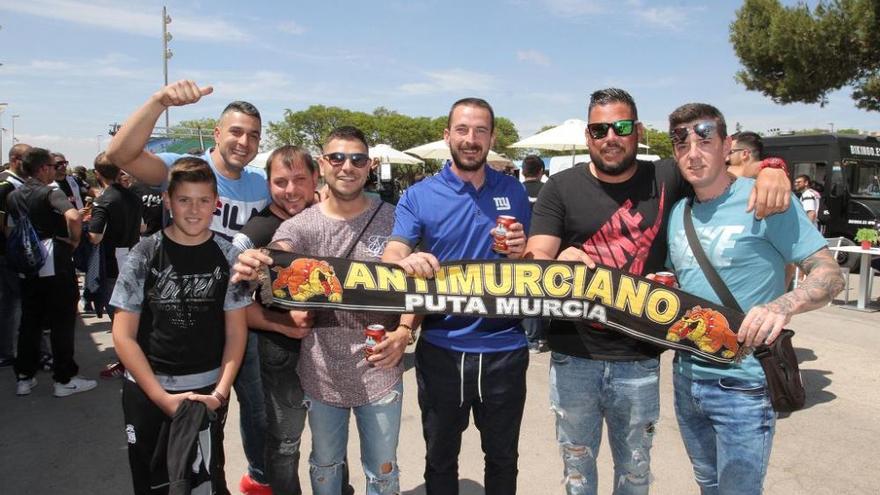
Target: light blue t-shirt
(239, 199)
(452, 220)
(750, 256)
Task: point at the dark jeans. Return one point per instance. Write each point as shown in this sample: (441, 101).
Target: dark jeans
(496, 395)
(285, 418)
(10, 309)
(252, 410)
(49, 300)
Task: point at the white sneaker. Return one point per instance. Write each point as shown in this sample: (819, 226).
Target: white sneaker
(76, 385)
(24, 387)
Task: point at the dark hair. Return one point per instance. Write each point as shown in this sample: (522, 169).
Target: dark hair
(690, 112)
(104, 168)
(750, 140)
(608, 96)
(190, 169)
(532, 166)
(806, 178)
(34, 160)
(347, 133)
(472, 102)
(243, 107)
(289, 155)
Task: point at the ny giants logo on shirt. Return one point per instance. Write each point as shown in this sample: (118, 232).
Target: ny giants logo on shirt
(622, 242)
(502, 203)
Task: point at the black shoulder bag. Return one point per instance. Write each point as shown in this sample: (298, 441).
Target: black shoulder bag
(778, 359)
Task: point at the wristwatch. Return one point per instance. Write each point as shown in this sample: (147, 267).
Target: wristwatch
(412, 332)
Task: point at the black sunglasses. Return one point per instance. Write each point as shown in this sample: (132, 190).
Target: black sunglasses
(599, 130)
(359, 160)
(61, 164)
(702, 129)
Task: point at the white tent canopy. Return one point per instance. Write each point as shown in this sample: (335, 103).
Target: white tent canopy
(568, 136)
(439, 150)
(387, 154)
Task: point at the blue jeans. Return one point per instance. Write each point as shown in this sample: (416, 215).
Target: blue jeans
(252, 410)
(379, 428)
(727, 426)
(10, 309)
(626, 394)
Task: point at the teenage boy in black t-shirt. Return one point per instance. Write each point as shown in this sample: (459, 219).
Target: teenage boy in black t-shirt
(180, 331)
(612, 211)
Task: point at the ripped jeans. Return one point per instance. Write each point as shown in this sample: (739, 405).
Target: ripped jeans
(626, 394)
(379, 428)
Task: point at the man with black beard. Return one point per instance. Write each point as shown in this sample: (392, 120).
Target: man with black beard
(465, 363)
(612, 211)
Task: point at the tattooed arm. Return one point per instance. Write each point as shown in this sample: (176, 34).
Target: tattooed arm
(764, 322)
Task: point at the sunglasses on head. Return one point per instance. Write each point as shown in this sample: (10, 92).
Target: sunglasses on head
(702, 129)
(359, 160)
(599, 130)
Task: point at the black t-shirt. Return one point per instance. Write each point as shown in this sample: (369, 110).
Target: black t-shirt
(181, 293)
(82, 189)
(8, 183)
(533, 188)
(257, 233)
(116, 213)
(618, 225)
(151, 198)
(45, 208)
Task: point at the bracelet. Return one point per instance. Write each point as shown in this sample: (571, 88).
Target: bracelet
(412, 333)
(220, 397)
(774, 162)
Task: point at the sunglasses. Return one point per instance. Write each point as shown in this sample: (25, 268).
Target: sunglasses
(359, 160)
(702, 129)
(61, 164)
(599, 130)
(735, 150)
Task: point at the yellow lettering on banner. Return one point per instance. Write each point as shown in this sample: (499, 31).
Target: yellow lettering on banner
(663, 306)
(440, 281)
(421, 285)
(601, 287)
(391, 278)
(500, 285)
(467, 281)
(629, 298)
(527, 278)
(556, 280)
(580, 279)
(359, 274)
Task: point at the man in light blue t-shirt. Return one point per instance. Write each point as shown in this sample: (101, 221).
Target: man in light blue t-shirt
(242, 192)
(724, 412)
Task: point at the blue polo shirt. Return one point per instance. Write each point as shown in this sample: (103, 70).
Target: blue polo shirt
(452, 220)
(239, 199)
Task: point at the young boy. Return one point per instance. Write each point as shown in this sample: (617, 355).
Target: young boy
(180, 331)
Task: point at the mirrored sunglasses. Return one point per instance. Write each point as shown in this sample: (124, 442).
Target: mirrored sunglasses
(702, 129)
(599, 130)
(359, 160)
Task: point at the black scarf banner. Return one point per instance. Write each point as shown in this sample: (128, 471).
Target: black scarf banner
(635, 306)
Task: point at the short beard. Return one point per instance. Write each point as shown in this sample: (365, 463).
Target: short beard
(466, 166)
(628, 162)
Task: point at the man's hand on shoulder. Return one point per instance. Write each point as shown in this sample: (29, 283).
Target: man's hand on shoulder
(771, 194)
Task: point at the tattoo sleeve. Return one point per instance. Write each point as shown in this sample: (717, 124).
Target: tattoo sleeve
(823, 282)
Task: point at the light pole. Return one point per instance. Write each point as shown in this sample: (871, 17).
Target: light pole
(831, 124)
(14, 116)
(2, 108)
(166, 54)
(98, 138)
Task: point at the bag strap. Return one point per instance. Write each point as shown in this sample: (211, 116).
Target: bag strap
(708, 270)
(361, 233)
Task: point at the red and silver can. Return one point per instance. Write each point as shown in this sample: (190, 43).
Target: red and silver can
(502, 227)
(665, 278)
(373, 334)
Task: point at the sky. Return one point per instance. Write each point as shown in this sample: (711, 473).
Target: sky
(71, 68)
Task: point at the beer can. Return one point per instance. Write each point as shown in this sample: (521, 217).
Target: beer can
(502, 226)
(373, 334)
(665, 278)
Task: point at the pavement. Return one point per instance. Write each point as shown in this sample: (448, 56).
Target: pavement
(77, 445)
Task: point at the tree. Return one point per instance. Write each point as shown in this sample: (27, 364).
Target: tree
(795, 54)
(659, 142)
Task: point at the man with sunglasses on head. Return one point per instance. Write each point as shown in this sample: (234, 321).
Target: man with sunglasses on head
(724, 413)
(465, 363)
(242, 193)
(611, 211)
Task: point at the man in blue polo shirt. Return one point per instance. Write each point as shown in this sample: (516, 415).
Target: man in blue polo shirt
(465, 363)
(242, 192)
